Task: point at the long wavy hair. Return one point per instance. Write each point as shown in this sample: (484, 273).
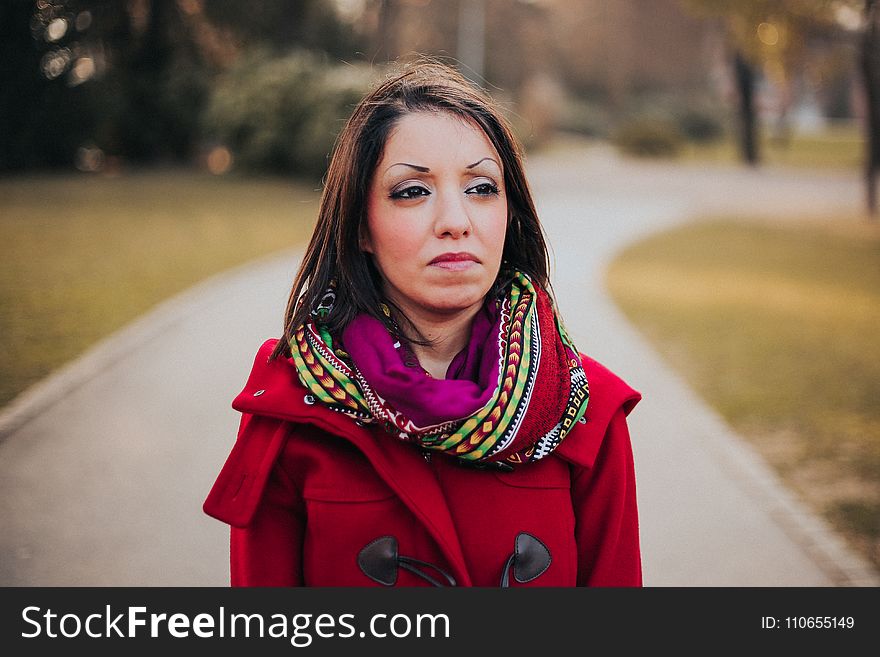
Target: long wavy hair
(334, 252)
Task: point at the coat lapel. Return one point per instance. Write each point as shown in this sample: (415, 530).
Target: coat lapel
(274, 391)
(239, 486)
(407, 474)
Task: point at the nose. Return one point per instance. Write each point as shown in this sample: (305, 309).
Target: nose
(451, 218)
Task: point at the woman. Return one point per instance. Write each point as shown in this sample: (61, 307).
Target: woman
(425, 419)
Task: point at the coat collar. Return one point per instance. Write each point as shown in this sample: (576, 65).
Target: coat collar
(273, 390)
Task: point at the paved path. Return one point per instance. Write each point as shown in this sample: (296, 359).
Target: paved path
(103, 468)
(712, 513)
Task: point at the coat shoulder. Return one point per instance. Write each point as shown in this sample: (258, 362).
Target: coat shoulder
(272, 402)
(609, 393)
(273, 387)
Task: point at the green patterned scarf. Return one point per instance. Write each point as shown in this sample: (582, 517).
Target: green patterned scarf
(538, 387)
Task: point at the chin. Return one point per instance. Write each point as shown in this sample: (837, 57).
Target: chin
(453, 299)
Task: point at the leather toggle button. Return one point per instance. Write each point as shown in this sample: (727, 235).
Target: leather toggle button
(258, 393)
(380, 561)
(530, 559)
(309, 399)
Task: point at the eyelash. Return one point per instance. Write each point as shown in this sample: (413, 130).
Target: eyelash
(493, 189)
(400, 194)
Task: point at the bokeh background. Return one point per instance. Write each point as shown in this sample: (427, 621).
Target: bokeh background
(147, 145)
(226, 86)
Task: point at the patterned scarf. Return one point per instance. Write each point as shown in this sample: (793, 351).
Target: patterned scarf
(510, 397)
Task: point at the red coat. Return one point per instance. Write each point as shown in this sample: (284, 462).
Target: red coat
(305, 489)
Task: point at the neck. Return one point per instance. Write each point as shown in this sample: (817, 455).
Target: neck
(447, 333)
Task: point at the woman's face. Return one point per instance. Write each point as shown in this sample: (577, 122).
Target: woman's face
(436, 214)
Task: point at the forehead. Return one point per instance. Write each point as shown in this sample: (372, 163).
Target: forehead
(437, 136)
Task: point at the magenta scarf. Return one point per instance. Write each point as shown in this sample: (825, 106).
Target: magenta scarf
(511, 395)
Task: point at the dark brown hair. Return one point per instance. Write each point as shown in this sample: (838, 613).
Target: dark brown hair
(334, 252)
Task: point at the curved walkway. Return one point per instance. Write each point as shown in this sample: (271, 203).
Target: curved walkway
(104, 466)
(712, 512)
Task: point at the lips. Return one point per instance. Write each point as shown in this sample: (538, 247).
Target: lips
(462, 256)
(455, 261)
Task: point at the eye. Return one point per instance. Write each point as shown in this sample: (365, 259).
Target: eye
(413, 191)
(483, 189)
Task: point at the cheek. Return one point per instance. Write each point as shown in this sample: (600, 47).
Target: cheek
(497, 231)
(393, 241)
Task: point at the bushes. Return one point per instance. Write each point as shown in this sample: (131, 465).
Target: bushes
(583, 117)
(663, 127)
(282, 114)
(649, 137)
(699, 125)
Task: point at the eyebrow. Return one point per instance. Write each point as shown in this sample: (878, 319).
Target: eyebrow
(426, 169)
(471, 166)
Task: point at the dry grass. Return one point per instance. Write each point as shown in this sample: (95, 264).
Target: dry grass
(777, 325)
(84, 255)
(832, 148)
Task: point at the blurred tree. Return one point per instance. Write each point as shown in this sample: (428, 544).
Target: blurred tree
(385, 43)
(768, 38)
(870, 62)
(313, 25)
(43, 116)
(94, 72)
(132, 78)
(154, 126)
(773, 34)
(626, 51)
(21, 83)
(748, 125)
(282, 114)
